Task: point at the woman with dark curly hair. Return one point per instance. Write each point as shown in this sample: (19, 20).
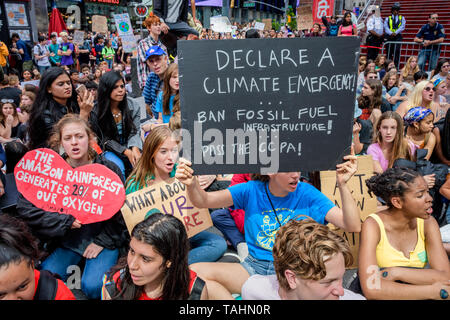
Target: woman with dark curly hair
(402, 240)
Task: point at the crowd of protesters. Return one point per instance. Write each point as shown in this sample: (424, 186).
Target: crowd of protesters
(75, 99)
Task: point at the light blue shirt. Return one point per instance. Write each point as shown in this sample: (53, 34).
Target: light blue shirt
(261, 225)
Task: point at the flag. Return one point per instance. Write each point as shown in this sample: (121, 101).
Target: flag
(57, 23)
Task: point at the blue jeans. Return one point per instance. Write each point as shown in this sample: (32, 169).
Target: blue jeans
(255, 266)
(223, 221)
(94, 269)
(110, 63)
(42, 69)
(430, 55)
(206, 247)
(111, 156)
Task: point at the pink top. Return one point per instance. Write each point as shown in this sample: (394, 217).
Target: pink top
(347, 31)
(377, 154)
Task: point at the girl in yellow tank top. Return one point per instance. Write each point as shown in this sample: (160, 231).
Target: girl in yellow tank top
(388, 256)
(397, 243)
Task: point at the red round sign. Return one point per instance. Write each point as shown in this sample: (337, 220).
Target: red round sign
(90, 193)
(141, 10)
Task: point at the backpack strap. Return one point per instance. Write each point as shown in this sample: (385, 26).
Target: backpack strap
(197, 289)
(47, 286)
(111, 284)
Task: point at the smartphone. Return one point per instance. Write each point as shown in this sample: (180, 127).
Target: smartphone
(81, 90)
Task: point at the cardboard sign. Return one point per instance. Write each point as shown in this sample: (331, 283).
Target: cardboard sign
(366, 203)
(272, 105)
(304, 18)
(267, 24)
(99, 24)
(168, 198)
(91, 193)
(78, 37)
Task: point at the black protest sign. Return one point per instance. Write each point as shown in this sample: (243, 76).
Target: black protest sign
(267, 105)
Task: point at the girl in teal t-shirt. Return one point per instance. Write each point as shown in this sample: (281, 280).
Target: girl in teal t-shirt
(168, 100)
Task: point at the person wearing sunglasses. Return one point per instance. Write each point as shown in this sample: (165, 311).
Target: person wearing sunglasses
(422, 95)
(430, 36)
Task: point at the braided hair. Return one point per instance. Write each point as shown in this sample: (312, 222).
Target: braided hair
(394, 182)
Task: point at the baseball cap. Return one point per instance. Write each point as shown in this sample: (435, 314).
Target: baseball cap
(154, 51)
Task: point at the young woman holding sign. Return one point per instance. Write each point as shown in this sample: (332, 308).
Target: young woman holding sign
(156, 267)
(159, 163)
(19, 279)
(116, 121)
(269, 201)
(402, 240)
(98, 243)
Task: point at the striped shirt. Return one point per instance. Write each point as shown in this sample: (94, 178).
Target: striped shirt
(142, 69)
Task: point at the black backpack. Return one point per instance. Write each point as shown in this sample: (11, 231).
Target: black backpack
(47, 286)
(29, 48)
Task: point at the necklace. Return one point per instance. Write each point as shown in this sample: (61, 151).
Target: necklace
(117, 115)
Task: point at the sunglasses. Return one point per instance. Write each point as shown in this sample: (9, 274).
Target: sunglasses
(428, 88)
(7, 100)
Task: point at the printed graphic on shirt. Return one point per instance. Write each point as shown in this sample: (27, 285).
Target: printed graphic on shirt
(266, 237)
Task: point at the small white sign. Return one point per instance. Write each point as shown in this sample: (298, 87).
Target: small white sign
(259, 25)
(220, 24)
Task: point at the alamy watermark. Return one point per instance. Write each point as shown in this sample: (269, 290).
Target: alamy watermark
(235, 146)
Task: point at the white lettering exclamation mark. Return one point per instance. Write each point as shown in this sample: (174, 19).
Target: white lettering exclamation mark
(299, 150)
(330, 125)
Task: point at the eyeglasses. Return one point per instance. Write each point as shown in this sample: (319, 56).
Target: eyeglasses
(427, 88)
(7, 100)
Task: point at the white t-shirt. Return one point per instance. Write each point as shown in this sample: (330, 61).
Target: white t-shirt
(40, 50)
(259, 287)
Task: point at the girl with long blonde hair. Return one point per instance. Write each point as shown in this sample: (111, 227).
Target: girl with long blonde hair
(422, 95)
(407, 73)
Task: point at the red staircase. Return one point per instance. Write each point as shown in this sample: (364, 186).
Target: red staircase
(416, 13)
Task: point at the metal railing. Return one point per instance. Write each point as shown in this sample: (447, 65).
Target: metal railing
(400, 51)
(365, 11)
(363, 16)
